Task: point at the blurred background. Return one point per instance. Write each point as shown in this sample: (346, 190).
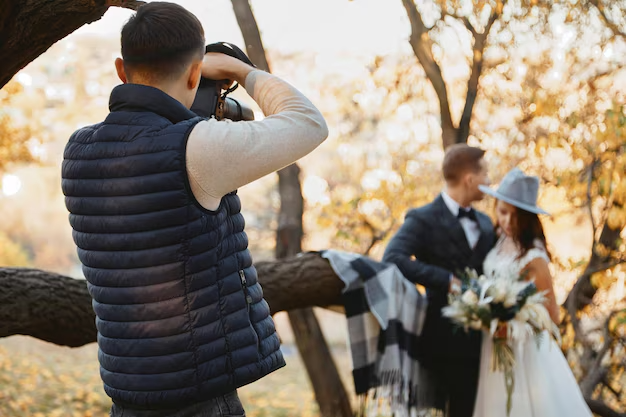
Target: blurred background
(539, 85)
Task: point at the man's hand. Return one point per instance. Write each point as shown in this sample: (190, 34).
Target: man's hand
(455, 285)
(216, 66)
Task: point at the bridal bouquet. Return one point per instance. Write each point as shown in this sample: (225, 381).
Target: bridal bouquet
(509, 308)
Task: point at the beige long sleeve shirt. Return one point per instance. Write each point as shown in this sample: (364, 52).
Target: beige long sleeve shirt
(223, 155)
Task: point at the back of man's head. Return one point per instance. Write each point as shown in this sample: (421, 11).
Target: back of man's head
(160, 42)
(459, 160)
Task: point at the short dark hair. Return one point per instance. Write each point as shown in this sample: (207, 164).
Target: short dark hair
(460, 159)
(161, 40)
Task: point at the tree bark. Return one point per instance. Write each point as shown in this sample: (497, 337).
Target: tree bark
(601, 409)
(330, 394)
(583, 292)
(251, 34)
(422, 47)
(57, 309)
(29, 27)
(480, 41)
(46, 306)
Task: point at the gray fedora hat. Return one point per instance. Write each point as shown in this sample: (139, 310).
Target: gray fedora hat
(517, 189)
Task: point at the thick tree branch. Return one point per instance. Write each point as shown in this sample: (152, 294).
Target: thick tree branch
(29, 27)
(47, 306)
(251, 35)
(613, 391)
(480, 41)
(422, 47)
(57, 308)
(601, 409)
(590, 178)
(464, 19)
(125, 4)
(597, 372)
(617, 31)
(583, 291)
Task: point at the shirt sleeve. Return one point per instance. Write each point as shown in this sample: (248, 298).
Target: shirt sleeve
(224, 155)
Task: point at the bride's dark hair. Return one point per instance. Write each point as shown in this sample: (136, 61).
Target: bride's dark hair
(527, 230)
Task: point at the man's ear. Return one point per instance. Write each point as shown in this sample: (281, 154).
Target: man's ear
(466, 178)
(195, 71)
(119, 67)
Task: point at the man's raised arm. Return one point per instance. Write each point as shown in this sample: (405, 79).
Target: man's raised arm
(223, 155)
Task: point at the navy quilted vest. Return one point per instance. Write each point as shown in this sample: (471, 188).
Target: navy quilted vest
(180, 315)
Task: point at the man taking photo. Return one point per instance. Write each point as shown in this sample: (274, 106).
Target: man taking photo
(151, 192)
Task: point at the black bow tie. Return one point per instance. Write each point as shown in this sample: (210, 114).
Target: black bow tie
(469, 213)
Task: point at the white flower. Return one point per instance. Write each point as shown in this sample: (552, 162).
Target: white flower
(523, 315)
(455, 311)
(483, 299)
(469, 297)
(471, 273)
(476, 324)
(498, 291)
(510, 300)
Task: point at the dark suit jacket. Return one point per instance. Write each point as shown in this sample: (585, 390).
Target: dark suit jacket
(429, 247)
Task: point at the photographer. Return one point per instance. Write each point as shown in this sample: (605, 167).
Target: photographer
(181, 318)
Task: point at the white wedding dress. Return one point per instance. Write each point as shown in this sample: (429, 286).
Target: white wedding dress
(544, 383)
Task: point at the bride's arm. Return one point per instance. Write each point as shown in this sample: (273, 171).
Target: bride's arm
(538, 269)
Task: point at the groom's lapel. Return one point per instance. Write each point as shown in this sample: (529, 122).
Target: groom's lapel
(452, 226)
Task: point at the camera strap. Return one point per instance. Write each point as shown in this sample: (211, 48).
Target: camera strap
(229, 49)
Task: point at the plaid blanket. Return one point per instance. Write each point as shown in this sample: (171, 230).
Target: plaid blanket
(385, 314)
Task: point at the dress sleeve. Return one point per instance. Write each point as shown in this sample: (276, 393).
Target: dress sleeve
(538, 251)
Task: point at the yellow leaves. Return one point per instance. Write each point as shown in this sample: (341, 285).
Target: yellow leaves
(603, 279)
(13, 139)
(616, 218)
(41, 380)
(11, 253)
(619, 195)
(499, 7)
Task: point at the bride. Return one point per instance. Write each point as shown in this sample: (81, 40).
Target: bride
(544, 383)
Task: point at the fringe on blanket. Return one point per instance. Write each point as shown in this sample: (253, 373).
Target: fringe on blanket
(393, 397)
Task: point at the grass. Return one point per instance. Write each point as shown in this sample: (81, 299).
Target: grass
(39, 379)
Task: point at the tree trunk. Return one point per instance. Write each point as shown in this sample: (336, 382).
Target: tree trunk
(330, 394)
(29, 27)
(480, 41)
(583, 292)
(250, 32)
(57, 309)
(422, 47)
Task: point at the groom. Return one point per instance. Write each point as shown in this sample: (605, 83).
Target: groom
(436, 243)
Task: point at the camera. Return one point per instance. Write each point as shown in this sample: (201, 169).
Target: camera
(212, 97)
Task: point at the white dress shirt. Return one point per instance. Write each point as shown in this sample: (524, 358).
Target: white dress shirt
(470, 227)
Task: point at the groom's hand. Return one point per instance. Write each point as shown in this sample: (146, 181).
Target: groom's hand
(455, 285)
